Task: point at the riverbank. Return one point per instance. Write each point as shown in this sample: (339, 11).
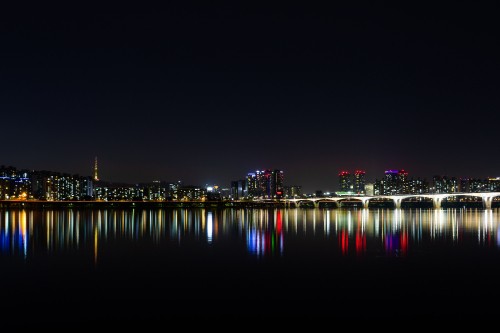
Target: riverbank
(42, 204)
(34, 204)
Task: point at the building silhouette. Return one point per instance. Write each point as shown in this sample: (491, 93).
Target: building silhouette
(266, 183)
(96, 174)
(345, 181)
(359, 182)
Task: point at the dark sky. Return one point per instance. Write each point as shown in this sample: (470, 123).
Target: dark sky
(207, 93)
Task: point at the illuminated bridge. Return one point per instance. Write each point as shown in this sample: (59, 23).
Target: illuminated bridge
(486, 197)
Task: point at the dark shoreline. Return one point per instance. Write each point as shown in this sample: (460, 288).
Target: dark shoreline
(40, 204)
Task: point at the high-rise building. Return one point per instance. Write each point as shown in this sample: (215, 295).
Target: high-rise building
(418, 186)
(252, 184)
(359, 182)
(294, 191)
(403, 185)
(345, 183)
(369, 189)
(265, 183)
(238, 189)
(390, 182)
(444, 184)
(188, 193)
(477, 185)
(96, 175)
(394, 182)
(463, 185)
(277, 179)
(15, 184)
(494, 184)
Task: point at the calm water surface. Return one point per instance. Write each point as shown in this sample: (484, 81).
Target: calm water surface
(121, 266)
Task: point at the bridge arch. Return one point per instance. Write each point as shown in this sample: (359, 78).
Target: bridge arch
(380, 202)
(495, 201)
(350, 202)
(487, 199)
(417, 201)
(305, 203)
(328, 203)
(459, 200)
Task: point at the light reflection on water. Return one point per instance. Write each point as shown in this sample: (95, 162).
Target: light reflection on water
(265, 232)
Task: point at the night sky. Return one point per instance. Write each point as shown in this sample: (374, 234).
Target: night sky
(207, 93)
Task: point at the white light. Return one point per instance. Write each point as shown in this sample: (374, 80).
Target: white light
(209, 227)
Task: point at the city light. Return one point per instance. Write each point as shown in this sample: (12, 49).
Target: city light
(268, 186)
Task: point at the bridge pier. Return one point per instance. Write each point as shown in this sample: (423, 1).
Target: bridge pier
(437, 198)
(436, 202)
(365, 202)
(397, 202)
(487, 202)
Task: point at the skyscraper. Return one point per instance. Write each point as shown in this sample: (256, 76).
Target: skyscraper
(96, 176)
(252, 184)
(345, 181)
(277, 179)
(390, 183)
(265, 183)
(394, 182)
(359, 182)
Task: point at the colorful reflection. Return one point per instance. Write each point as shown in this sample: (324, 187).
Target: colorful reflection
(264, 232)
(360, 242)
(14, 236)
(396, 244)
(266, 238)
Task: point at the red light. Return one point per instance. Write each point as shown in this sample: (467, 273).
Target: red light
(344, 242)
(278, 222)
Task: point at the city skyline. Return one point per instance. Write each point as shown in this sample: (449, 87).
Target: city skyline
(205, 93)
(344, 180)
